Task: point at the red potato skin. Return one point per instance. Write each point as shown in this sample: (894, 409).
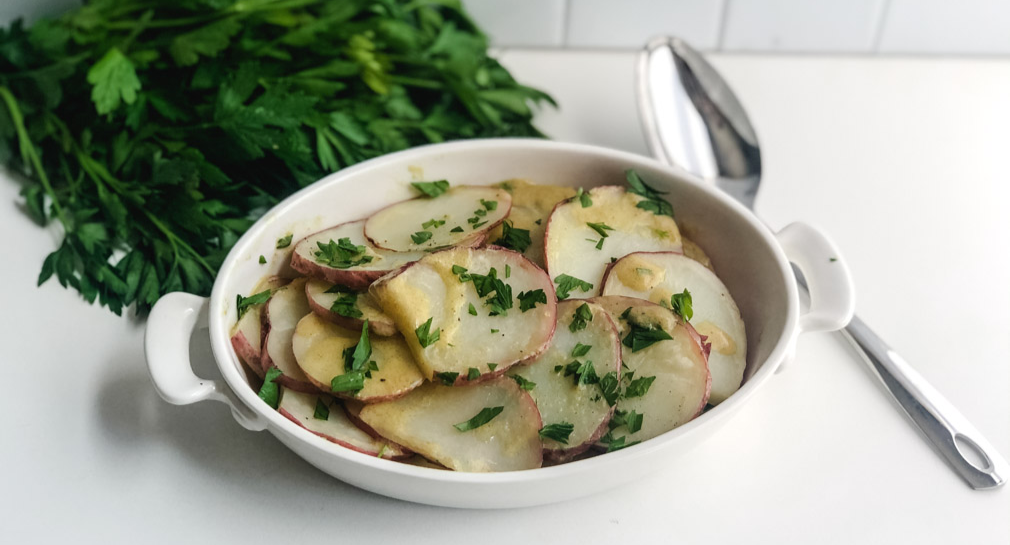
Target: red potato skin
(248, 353)
(472, 242)
(267, 362)
(610, 267)
(382, 329)
(404, 453)
(502, 368)
(699, 342)
(557, 456)
(352, 410)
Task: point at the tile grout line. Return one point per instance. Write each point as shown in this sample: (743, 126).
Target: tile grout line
(721, 31)
(566, 11)
(878, 32)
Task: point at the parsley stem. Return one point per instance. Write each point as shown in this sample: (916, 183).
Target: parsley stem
(28, 153)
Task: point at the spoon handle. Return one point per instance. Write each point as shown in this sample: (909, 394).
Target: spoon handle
(964, 448)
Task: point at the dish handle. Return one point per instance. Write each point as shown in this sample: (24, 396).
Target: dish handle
(827, 277)
(170, 326)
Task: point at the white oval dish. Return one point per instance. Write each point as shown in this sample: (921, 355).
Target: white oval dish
(752, 261)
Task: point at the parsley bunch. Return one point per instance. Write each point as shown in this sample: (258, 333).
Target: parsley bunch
(156, 131)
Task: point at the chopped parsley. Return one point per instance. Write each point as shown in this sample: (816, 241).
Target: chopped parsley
(633, 421)
(242, 304)
(382, 450)
(456, 229)
(493, 331)
(270, 392)
(284, 242)
(472, 310)
(523, 383)
(432, 223)
(421, 237)
(357, 365)
(425, 336)
(508, 270)
(832, 259)
(485, 415)
(639, 387)
(583, 315)
(461, 272)
(347, 382)
(513, 238)
(642, 271)
(263, 260)
(529, 299)
(568, 283)
(447, 378)
(583, 198)
(610, 387)
(619, 443)
(559, 432)
(681, 304)
(501, 301)
(473, 374)
(342, 254)
(653, 201)
(584, 373)
(322, 411)
(640, 337)
(581, 350)
(491, 366)
(346, 305)
(431, 189)
(600, 228)
(490, 205)
(481, 224)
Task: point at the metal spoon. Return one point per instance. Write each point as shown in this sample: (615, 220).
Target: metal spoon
(693, 120)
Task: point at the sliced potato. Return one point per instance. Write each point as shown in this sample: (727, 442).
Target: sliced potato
(319, 347)
(680, 389)
(425, 422)
(572, 245)
(657, 276)
(247, 335)
(454, 217)
(309, 259)
(567, 399)
(531, 206)
(692, 250)
(283, 311)
(463, 345)
(300, 408)
(322, 296)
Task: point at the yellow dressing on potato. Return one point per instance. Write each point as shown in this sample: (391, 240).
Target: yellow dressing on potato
(661, 296)
(721, 342)
(638, 273)
(625, 216)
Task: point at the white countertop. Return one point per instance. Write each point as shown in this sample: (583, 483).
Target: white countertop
(903, 161)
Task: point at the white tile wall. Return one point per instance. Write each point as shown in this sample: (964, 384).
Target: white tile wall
(947, 26)
(802, 25)
(630, 23)
(969, 27)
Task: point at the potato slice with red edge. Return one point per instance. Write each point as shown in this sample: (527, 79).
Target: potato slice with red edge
(581, 240)
(301, 409)
(285, 308)
(353, 308)
(429, 223)
(589, 337)
(459, 334)
(531, 206)
(319, 347)
(354, 269)
(247, 334)
(444, 424)
(657, 276)
(666, 380)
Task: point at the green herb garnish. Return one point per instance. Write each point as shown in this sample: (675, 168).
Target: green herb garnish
(581, 350)
(456, 229)
(681, 304)
(486, 415)
(568, 283)
(513, 238)
(431, 189)
(583, 198)
(447, 378)
(421, 237)
(432, 223)
(270, 392)
(424, 334)
(346, 305)
(491, 366)
(559, 432)
(633, 421)
(523, 383)
(343, 254)
(242, 304)
(610, 387)
(600, 228)
(348, 382)
(263, 260)
(472, 310)
(285, 241)
(529, 299)
(619, 443)
(473, 374)
(489, 205)
(639, 387)
(654, 202)
(322, 412)
(583, 315)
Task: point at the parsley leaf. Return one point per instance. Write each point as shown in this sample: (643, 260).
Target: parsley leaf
(681, 304)
(431, 189)
(473, 373)
(568, 283)
(489, 205)
(654, 202)
(610, 387)
(343, 254)
(640, 337)
(581, 350)
(529, 299)
(447, 378)
(113, 78)
(600, 228)
(583, 315)
(619, 443)
(421, 237)
(456, 229)
(523, 383)
(633, 421)
(486, 415)
(639, 387)
(424, 334)
(270, 392)
(346, 305)
(472, 310)
(559, 432)
(242, 304)
(513, 238)
(432, 223)
(583, 198)
(322, 411)
(263, 260)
